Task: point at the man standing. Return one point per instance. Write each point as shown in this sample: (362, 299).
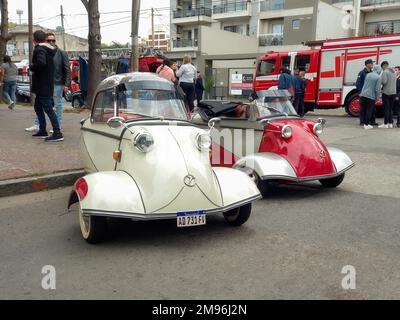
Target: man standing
(397, 103)
(285, 82)
(388, 94)
(199, 88)
(62, 79)
(370, 94)
(42, 69)
(360, 84)
(300, 90)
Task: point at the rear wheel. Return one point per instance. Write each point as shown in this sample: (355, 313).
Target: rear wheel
(332, 182)
(238, 216)
(353, 105)
(93, 228)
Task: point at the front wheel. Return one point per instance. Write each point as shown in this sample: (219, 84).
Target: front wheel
(332, 182)
(353, 105)
(238, 216)
(76, 102)
(93, 228)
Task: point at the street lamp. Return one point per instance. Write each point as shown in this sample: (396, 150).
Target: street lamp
(20, 13)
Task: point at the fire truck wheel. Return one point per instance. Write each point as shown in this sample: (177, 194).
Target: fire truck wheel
(353, 105)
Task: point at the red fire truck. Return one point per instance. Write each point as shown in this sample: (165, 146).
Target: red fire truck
(331, 67)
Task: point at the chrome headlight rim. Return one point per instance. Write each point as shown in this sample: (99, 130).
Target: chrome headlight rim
(203, 141)
(318, 128)
(148, 139)
(287, 132)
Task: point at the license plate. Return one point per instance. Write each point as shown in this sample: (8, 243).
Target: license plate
(190, 219)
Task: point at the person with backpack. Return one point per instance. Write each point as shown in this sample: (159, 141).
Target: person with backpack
(9, 78)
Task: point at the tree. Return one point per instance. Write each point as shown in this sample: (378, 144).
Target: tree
(4, 36)
(92, 8)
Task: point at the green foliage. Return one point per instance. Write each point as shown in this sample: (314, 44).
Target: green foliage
(209, 83)
(115, 45)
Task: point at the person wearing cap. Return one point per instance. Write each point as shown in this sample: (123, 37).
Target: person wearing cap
(370, 94)
(369, 64)
(388, 94)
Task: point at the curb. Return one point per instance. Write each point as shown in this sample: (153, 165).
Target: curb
(34, 184)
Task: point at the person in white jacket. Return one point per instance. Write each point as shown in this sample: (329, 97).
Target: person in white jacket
(187, 78)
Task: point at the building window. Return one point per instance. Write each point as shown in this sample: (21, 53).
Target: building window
(277, 28)
(231, 28)
(296, 24)
(383, 27)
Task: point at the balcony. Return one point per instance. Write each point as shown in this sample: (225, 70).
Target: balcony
(272, 9)
(372, 5)
(234, 9)
(192, 16)
(184, 44)
(271, 5)
(265, 40)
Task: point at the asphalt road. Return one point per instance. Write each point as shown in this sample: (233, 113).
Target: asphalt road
(293, 247)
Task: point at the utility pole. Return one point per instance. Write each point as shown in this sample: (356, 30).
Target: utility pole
(30, 39)
(62, 26)
(152, 28)
(134, 35)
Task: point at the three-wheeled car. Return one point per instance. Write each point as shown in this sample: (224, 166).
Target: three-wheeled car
(268, 140)
(146, 161)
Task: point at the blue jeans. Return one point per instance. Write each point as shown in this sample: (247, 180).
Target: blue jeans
(58, 95)
(9, 89)
(44, 104)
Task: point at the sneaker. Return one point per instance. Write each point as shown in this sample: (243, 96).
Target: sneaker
(369, 127)
(41, 135)
(384, 126)
(55, 137)
(34, 128)
(390, 125)
(11, 105)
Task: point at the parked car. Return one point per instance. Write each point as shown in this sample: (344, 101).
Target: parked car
(284, 147)
(146, 161)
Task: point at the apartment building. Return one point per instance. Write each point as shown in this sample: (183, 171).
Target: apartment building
(225, 36)
(161, 39)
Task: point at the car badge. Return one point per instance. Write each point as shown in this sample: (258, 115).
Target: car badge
(322, 154)
(190, 180)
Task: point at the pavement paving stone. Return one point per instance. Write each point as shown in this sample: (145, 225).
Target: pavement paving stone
(24, 156)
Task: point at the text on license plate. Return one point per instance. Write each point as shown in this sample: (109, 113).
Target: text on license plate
(190, 219)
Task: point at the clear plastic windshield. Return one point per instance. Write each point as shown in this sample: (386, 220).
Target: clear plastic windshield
(275, 103)
(139, 103)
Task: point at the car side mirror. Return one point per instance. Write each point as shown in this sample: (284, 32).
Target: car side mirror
(115, 122)
(212, 122)
(321, 121)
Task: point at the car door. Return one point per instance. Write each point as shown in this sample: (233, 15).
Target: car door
(99, 141)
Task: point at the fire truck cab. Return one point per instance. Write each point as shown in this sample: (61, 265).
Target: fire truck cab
(331, 68)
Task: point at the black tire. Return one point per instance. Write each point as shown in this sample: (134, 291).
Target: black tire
(238, 216)
(348, 106)
(93, 228)
(76, 103)
(265, 187)
(332, 182)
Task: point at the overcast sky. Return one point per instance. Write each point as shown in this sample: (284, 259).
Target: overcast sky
(115, 26)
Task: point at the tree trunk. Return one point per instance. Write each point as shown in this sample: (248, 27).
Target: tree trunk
(4, 36)
(92, 7)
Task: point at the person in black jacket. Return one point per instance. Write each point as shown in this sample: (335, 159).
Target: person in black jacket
(300, 84)
(369, 64)
(397, 103)
(199, 88)
(42, 69)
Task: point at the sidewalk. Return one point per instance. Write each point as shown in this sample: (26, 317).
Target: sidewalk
(23, 156)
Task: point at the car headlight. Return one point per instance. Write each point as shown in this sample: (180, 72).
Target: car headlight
(203, 141)
(318, 128)
(287, 132)
(143, 141)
